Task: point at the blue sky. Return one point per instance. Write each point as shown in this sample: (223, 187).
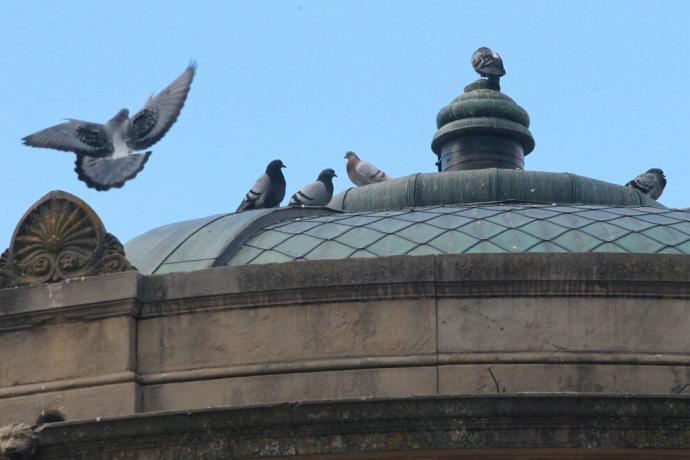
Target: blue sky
(605, 83)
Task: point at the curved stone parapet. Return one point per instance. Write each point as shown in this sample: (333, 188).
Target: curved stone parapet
(390, 327)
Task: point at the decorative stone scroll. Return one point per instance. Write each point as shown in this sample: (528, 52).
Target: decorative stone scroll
(17, 441)
(58, 238)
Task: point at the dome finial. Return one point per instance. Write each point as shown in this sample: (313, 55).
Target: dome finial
(483, 127)
(487, 63)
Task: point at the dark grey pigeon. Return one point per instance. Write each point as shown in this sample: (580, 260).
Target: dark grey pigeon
(317, 193)
(268, 190)
(50, 416)
(651, 183)
(109, 155)
(487, 63)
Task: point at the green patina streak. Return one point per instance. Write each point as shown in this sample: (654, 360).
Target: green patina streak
(487, 185)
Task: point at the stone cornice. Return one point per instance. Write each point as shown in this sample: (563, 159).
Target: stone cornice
(580, 426)
(352, 280)
(68, 384)
(72, 300)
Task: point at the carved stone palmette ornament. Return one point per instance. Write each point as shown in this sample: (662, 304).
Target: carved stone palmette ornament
(60, 237)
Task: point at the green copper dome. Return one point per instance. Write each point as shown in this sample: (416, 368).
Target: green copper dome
(286, 235)
(201, 243)
(471, 229)
(482, 202)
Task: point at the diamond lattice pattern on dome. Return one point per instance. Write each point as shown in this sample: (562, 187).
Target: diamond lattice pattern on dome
(471, 229)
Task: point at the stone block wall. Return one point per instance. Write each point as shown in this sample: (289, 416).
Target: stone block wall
(395, 327)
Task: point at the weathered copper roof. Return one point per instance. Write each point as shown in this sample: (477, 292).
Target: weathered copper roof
(199, 243)
(284, 235)
(485, 185)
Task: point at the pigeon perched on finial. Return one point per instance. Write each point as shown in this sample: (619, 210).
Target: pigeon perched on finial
(488, 63)
(362, 172)
(651, 183)
(108, 155)
(268, 190)
(317, 193)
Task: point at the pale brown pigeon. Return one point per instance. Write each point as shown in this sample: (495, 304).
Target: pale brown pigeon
(362, 172)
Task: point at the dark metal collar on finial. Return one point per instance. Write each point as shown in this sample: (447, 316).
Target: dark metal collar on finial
(488, 63)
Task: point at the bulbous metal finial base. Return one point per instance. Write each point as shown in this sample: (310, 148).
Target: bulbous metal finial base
(483, 83)
(494, 82)
(483, 128)
(481, 151)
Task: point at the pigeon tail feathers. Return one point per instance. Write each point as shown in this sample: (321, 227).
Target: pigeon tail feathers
(106, 173)
(246, 205)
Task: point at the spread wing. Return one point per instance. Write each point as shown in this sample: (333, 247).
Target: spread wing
(370, 172)
(105, 173)
(160, 112)
(80, 137)
(312, 194)
(255, 193)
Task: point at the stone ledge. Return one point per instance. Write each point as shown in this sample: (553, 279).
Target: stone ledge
(110, 400)
(464, 275)
(388, 278)
(582, 425)
(382, 362)
(472, 366)
(87, 298)
(68, 384)
(351, 280)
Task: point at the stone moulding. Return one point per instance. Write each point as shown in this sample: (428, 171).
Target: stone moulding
(58, 238)
(567, 427)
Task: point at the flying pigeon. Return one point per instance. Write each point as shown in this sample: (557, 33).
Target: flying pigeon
(317, 193)
(109, 155)
(651, 183)
(488, 63)
(362, 172)
(268, 190)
